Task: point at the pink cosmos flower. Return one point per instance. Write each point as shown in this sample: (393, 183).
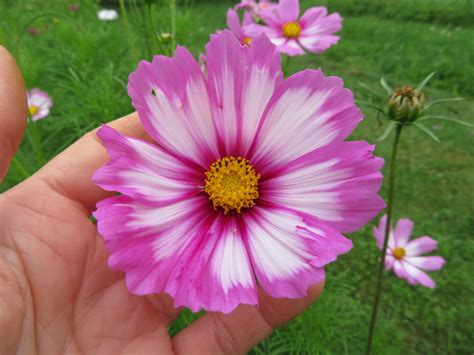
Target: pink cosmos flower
(403, 256)
(255, 6)
(233, 22)
(250, 183)
(39, 104)
(313, 32)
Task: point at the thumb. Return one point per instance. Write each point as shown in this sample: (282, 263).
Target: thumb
(13, 109)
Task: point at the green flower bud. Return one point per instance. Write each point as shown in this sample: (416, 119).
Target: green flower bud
(405, 105)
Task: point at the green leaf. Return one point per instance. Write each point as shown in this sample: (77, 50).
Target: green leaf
(430, 104)
(425, 81)
(387, 87)
(423, 118)
(369, 89)
(427, 131)
(387, 131)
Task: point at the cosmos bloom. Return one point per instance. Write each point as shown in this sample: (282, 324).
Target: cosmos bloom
(313, 31)
(107, 15)
(403, 256)
(250, 183)
(233, 22)
(39, 104)
(255, 6)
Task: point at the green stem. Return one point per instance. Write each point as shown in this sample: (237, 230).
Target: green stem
(173, 25)
(128, 29)
(34, 137)
(380, 273)
(20, 167)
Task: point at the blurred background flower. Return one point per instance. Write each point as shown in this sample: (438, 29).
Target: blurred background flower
(107, 15)
(39, 104)
(292, 35)
(404, 256)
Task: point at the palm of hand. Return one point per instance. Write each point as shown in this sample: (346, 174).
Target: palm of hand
(60, 295)
(57, 294)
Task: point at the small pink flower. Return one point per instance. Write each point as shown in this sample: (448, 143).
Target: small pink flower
(250, 183)
(403, 256)
(255, 7)
(313, 31)
(233, 22)
(39, 104)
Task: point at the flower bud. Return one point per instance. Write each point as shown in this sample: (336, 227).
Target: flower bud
(405, 105)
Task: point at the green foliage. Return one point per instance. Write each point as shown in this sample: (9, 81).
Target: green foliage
(84, 64)
(456, 12)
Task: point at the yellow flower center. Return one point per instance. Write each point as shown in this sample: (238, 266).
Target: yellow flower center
(247, 41)
(291, 29)
(232, 184)
(399, 253)
(33, 110)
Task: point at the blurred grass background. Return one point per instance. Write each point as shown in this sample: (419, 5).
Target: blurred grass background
(83, 63)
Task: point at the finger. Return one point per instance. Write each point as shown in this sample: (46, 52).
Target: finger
(70, 173)
(239, 331)
(13, 108)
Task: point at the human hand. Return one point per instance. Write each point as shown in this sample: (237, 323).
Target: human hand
(57, 294)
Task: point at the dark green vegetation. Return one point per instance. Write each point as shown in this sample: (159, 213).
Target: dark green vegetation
(84, 63)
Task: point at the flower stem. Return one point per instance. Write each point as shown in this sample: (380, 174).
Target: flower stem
(20, 167)
(380, 273)
(173, 25)
(34, 136)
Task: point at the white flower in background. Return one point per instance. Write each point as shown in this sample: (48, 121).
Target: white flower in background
(107, 14)
(39, 104)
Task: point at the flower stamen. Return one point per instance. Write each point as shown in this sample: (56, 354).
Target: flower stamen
(291, 29)
(399, 253)
(246, 41)
(33, 110)
(232, 184)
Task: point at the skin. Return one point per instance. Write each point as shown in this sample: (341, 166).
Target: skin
(57, 294)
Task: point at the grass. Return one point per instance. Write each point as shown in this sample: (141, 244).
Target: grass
(84, 63)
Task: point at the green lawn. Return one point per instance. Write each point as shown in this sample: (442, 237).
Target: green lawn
(84, 64)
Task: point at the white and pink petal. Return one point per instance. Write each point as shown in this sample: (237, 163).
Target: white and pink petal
(184, 249)
(337, 183)
(288, 10)
(318, 43)
(403, 232)
(417, 276)
(144, 171)
(315, 23)
(307, 111)
(421, 246)
(288, 250)
(218, 274)
(172, 100)
(241, 81)
(427, 263)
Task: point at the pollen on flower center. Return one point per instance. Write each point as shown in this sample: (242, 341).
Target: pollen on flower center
(247, 41)
(33, 110)
(399, 253)
(232, 184)
(291, 29)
